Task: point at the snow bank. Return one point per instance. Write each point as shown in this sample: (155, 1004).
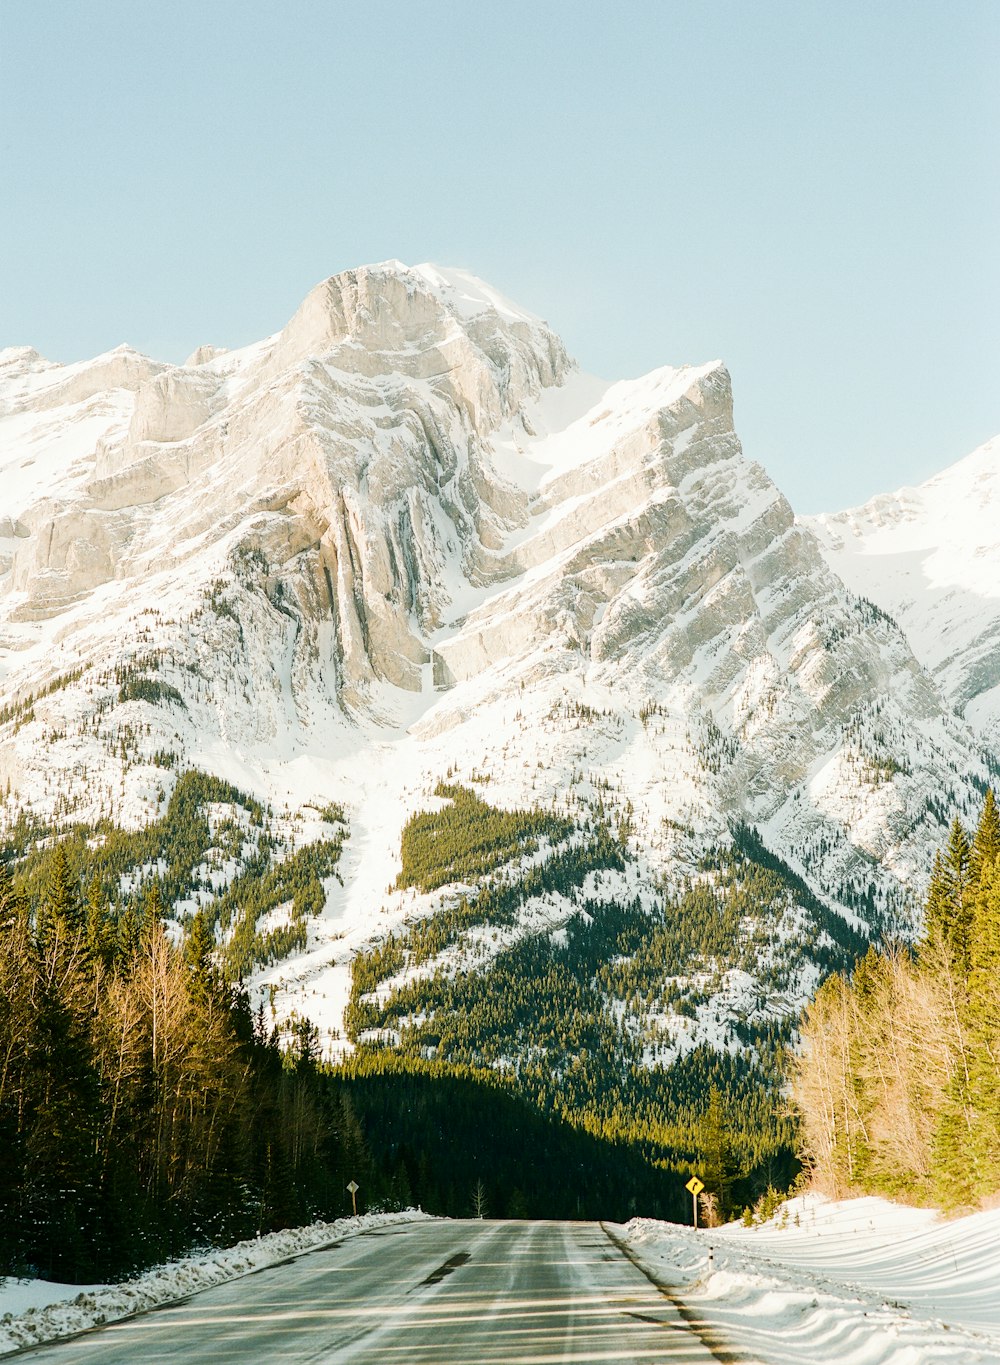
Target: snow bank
(859, 1282)
(36, 1311)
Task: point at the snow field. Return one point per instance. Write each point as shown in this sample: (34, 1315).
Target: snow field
(859, 1282)
(37, 1311)
(929, 556)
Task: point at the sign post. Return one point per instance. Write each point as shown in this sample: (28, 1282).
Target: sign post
(695, 1186)
(354, 1187)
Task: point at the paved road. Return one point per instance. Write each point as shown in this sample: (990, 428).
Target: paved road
(442, 1293)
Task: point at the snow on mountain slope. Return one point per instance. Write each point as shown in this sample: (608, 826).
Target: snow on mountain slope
(403, 539)
(930, 557)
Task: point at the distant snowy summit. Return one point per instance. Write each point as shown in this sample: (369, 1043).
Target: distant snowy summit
(404, 539)
(930, 557)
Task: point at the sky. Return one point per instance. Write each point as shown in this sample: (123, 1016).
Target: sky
(808, 190)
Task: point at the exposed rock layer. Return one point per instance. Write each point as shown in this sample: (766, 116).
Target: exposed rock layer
(407, 508)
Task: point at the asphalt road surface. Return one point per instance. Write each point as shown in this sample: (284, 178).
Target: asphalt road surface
(441, 1293)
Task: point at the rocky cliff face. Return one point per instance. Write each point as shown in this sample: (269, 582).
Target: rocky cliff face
(404, 538)
(356, 437)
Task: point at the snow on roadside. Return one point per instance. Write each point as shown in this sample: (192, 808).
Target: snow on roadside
(859, 1282)
(37, 1311)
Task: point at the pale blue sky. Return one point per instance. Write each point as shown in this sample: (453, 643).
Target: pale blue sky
(808, 190)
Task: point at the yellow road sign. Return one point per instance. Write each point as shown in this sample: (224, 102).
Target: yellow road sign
(695, 1185)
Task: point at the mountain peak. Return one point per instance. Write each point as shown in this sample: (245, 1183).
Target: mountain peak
(469, 295)
(405, 538)
(929, 556)
(464, 295)
(21, 357)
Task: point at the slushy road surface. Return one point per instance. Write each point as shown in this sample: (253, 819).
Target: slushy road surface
(435, 1293)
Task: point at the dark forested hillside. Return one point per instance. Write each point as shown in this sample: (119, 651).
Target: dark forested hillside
(499, 1063)
(584, 1019)
(143, 1109)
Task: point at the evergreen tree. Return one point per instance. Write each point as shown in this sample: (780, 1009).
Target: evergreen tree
(957, 868)
(153, 904)
(12, 904)
(128, 935)
(937, 903)
(980, 1140)
(716, 1152)
(986, 843)
(100, 941)
(984, 946)
(18, 1023)
(199, 945)
(948, 911)
(61, 910)
(60, 1136)
(355, 1157)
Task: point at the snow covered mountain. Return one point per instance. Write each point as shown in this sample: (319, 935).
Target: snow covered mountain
(404, 541)
(930, 557)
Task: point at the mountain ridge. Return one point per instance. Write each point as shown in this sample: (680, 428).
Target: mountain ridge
(929, 556)
(404, 541)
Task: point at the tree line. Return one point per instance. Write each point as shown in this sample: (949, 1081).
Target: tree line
(898, 1083)
(144, 1108)
(116, 864)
